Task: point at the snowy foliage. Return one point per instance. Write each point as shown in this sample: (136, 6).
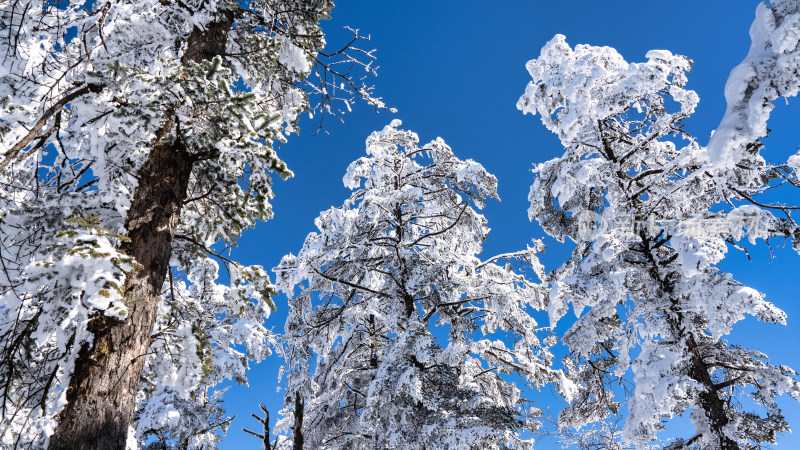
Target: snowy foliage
(86, 91)
(770, 70)
(634, 192)
(46, 311)
(166, 419)
(205, 333)
(400, 336)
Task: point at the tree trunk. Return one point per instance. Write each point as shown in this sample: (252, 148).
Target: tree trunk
(297, 431)
(102, 393)
(712, 406)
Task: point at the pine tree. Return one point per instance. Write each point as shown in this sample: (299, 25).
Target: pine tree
(400, 337)
(134, 136)
(635, 193)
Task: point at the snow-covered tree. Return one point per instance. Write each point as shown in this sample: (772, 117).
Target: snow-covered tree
(399, 336)
(205, 333)
(168, 419)
(635, 193)
(770, 70)
(133, 136)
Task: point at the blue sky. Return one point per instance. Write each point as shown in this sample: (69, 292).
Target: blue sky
(455, 69)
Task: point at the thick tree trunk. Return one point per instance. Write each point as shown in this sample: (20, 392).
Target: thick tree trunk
(297, 431)
(102, 392)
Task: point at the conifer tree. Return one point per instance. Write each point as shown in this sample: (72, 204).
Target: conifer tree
(635, 193)
(133, 137)
(399, 336)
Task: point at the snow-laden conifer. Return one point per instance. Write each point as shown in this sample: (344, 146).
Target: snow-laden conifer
(398, 336)
(134, 135)
(635, 191)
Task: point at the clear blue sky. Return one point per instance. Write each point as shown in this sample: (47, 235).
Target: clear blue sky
(455, 69)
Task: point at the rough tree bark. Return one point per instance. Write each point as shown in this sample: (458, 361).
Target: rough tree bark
(297, 431)
(102, 392)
